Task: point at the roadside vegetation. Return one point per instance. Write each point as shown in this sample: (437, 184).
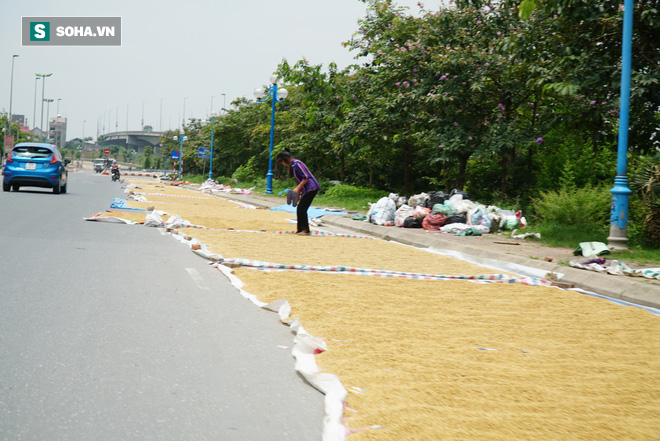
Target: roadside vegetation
(489, 97)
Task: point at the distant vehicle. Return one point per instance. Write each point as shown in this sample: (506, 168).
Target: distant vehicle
(34, 164)
(99, 165)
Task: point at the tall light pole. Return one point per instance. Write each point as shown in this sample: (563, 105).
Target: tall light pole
(160, 122)
(83, 137)
(11, 91)
(48, 100)
(34, 111)
(618, 238)
(182, 138)
(212, 120)
(275, 97)
(58, 105)
(224, 103)
(183, 121)
(43, 87)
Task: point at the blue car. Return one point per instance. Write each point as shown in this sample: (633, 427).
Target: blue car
(34, 164)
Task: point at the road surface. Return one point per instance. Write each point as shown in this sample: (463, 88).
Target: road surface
(119, 332)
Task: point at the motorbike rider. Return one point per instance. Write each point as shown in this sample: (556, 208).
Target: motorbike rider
(115, 168)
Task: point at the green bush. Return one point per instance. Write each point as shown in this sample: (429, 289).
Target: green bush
(247, 172)
(586, 208)
(341, 191)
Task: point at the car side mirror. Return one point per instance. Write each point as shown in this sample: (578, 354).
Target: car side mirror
(67, 162)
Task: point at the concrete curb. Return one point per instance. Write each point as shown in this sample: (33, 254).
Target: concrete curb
(629, 289)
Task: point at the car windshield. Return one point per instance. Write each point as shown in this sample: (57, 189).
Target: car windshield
(32, 152)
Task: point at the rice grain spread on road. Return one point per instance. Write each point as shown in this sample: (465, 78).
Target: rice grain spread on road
(450, 360)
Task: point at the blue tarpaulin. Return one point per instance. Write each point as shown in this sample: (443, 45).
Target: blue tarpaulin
(121, 204)
(312, 212)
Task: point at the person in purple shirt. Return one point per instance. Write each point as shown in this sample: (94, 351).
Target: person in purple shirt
(307, 187)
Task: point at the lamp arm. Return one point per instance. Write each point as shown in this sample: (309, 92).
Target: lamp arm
(270, 92)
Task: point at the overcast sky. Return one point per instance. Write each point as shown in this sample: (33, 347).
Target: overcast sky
(171, 50)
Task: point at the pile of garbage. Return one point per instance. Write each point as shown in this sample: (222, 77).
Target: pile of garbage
(447, 213)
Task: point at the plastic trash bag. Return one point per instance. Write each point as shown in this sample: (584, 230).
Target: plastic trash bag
(418, 199)
(153, 219)
(420, 212)
(444, 208)
(382, 212)
(508, 220)
(456, 191)
(437, 197)
(402, 213)
(456, 219)
(460, 204)
(412, 222)
(479, 216)
(433, 221)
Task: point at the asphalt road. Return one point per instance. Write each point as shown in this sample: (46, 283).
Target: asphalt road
(118, 332)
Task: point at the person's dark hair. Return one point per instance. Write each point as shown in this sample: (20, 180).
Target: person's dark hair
(284, 155)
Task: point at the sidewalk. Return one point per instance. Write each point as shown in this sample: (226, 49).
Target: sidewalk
(494, 250)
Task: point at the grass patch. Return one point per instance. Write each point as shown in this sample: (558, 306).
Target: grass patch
(570, 236)
(638, 255)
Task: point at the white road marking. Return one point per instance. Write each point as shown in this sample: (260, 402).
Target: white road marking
(197, 278)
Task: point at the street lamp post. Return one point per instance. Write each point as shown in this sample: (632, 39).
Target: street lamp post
(11, 93)
(43, 87)
(48, 100)
(34, 110)
(182, 138)
(11, 89)
(618, 238)
(211, 120)
(275, 96)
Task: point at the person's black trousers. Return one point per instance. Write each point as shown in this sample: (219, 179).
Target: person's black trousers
(303, 205)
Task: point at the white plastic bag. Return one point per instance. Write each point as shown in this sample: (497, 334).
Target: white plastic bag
(382, 212)
(401, 214)
(418, 199)
(153, 219)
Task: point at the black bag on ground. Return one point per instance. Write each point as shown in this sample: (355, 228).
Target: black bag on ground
(461, 192)
(411, 222)
(456, 219)
(437, 198)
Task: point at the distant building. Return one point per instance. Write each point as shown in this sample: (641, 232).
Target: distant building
(37, 134)
(18, 119)
(57, 131)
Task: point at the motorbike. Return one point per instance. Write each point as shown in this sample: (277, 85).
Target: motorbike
(115, 174)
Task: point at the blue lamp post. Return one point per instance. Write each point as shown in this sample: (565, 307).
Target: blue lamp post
(212, 120)
(275, 96)
(618, 238)
(181, 138)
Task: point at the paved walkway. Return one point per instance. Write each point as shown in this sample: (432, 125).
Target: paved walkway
(489, 253)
